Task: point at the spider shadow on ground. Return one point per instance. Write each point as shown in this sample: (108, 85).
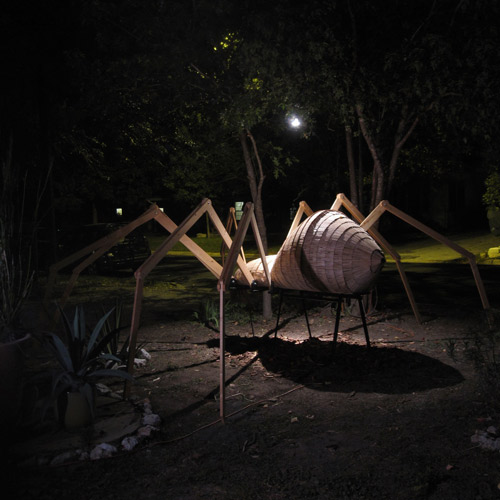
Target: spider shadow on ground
(348, 367)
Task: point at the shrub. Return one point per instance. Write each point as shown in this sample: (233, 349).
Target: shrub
(491, 197)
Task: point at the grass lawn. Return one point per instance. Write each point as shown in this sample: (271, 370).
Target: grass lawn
(421, 250)
(211, 245)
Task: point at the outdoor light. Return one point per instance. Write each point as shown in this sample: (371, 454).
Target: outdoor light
(294, 121)
(238, 208)
(119, 212)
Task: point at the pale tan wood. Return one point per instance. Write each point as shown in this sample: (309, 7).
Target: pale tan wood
(479, 283)
(211, 264)
(134, 328)
(95, 250)
(409, 291)
(384, 206)
(373, 217)
(260, 247)
(234, 249)
(226, 275)
(176, 235)
(339, 201)
(231, 221)
(258, 269)
(147, 267)
(110, 239)
(446, 241)
(227, 239)
(304, 208)
(342, 201)
(314, 255)
(222, 356)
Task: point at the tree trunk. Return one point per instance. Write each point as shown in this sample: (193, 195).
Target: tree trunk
(378, 184)
(406, 126)
(353, 188)
(374, 188)
(360, 174)
(255, 175)
(399, 141)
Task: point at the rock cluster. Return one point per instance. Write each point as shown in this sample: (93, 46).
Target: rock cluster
(488, 439)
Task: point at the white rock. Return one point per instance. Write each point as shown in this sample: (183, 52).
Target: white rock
(145, 354)
(139, 362)
(148, 409)
(129, 443)
(103, 450)
(485, 440)
(151, 419)
(103, 389)
(145, 432)
(477, 436)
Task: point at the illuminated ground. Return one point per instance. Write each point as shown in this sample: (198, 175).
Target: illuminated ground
(303, 422)
(430, 251)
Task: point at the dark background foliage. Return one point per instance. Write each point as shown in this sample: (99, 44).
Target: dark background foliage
(118, 104)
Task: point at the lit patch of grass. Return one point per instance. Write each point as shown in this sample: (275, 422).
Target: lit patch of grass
(211, 245)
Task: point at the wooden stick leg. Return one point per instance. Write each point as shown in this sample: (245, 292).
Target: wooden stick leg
(279, 314)
(363, 319)
(222, 378)
(337, 321)
(306, 315)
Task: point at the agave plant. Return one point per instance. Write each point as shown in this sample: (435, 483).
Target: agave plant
(116, 347)
(82, 358)
(208, 314)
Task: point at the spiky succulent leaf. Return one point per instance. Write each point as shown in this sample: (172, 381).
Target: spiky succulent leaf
(82, 327)
(111, 357)
(97, 330)
(61, 352)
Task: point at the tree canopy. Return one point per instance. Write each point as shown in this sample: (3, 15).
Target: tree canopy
(126, 101)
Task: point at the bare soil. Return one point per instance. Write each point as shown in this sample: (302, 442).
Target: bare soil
(303, 420)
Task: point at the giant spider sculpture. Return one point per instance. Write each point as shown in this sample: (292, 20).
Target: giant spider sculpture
(327, 252)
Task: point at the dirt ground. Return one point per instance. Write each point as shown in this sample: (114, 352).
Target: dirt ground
(302, 420)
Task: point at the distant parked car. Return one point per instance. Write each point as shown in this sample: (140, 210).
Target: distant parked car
(128, 253)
